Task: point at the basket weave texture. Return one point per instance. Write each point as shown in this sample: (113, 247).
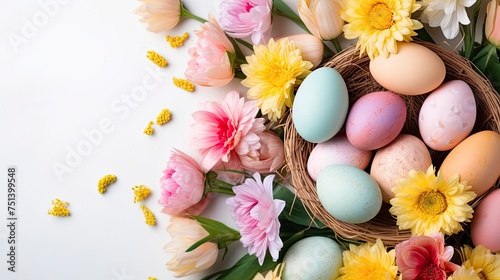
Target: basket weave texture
(355, 71)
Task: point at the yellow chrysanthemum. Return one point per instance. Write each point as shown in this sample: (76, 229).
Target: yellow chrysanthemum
(275, 274)
(368, 261)
(484, 264)
(379, 24)
(464, 274)
(425, 203)
(271, 74)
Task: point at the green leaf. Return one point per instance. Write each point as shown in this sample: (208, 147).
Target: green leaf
(424, 35)
(484, 56)
(294, 210)
(218, 233)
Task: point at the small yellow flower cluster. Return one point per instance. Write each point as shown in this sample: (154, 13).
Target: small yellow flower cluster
(177, 41)
(163, 117)
(59, 208)
(152, 278)
(140, 193)
(104, 182)
(157, 58)
(149, 130)
(148, 215)
(184, 84)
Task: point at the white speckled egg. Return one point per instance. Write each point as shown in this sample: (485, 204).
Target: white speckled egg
(447, 115)
(315, 257)
(320, 106)
(395, 160)
(337, 150)
(348, 193)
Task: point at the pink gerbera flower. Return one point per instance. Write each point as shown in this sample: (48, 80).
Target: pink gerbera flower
(225, 130)
(256, 214)
(425, 257)
(242, 18)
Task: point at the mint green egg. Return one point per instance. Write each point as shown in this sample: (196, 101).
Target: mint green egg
(348, 193)
(320, 106)
(315, 257)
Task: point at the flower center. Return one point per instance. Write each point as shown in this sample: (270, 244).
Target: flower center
(380, 16)
(430, 272)
(432, 203)
(281, 77)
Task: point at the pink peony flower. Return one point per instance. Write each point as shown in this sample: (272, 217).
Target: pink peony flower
(210, 64)
(271, 154)
(256, 214)
(182, 186)
(242, 18)
(425, 257)
(226, 129)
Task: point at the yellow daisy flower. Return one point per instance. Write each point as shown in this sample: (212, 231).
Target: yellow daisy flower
(271, 74)
(275, 274)
(379, 24)
(484, 264)
(425, 203)
(368, 261)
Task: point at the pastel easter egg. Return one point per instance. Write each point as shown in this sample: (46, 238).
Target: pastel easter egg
(395, 160)
(375, 120)
(485, 225)
(315, 257)
(447, 115)
(348, 193)
(337, 150)
(413, 70)
(476, 159)
(320, 106)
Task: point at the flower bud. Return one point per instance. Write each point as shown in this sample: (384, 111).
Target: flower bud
(321, 17)
(492, 24)
(310, 46)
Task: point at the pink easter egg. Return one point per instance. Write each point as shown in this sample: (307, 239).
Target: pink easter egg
(375, 120)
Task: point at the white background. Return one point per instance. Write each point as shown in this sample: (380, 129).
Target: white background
(74, 69)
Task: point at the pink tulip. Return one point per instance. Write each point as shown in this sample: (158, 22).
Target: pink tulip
(311, 47)
(270, 157)
(242, 18)
(160, 15)
(182, 186)
(321, 17)
(210, 64)
(425, 257)
(492, 23)
(225, 129)
(256, 214)
(184, 233)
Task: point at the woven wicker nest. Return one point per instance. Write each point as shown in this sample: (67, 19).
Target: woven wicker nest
(359, 82)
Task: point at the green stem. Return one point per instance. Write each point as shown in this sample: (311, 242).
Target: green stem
(187, 14)
(336, 44)
(222, 190)
(280, 8)
(239, 53)
(244, 43)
